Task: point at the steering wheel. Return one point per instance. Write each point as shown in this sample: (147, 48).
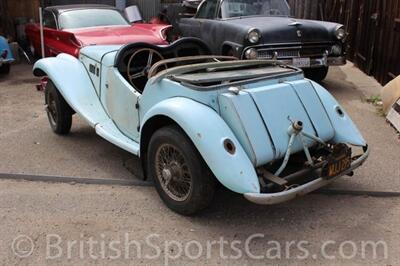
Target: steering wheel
(143, 59)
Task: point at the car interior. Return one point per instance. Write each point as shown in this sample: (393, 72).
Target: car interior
(138, 62)
(135, 60)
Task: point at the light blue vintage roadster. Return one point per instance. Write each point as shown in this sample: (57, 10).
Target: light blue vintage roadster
(258, 127)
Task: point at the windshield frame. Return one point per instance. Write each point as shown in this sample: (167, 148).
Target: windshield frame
(219, 13)
(62, 27)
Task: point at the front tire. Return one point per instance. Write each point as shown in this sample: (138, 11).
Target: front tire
(182, 178)
(316, 74)
(59, 112)
(5, 69)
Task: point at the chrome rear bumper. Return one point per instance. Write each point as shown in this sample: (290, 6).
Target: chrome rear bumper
(280, 197)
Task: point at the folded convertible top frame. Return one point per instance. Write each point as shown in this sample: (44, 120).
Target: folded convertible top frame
(154, 68)
(196, 67)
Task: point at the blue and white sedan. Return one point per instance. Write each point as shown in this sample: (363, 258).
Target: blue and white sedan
(6, 57)
(257, 127)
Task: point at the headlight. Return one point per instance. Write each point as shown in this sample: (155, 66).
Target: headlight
(254, 36)
(340, 33)
(251, 53)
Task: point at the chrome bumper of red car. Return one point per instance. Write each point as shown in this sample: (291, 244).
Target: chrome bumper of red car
(280, 197)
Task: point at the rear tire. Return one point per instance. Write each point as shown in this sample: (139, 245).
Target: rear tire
(59, 112)
(316, 74)
(5, 69)
(182, 178)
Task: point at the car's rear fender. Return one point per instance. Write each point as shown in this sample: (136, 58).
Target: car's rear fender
(345, 129)
(208, 132)
(71, 78)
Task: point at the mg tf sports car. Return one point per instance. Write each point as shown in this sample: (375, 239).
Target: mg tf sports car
(263, 29)
(6, 57)
(258, 127)
(69, 28)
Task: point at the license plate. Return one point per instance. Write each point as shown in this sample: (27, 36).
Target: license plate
(301, 62)
(338, 162)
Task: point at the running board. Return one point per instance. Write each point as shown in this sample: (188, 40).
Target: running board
(109, 131)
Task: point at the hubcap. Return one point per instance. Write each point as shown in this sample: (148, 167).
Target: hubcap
(166, 175)
(173, 173)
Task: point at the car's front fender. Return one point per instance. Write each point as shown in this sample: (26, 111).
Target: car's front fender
(72, 80)
(208, 132)
(236, 48)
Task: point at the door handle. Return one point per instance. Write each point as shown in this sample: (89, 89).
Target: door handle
(92, 69)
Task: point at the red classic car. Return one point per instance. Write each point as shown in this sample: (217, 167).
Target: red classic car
(69, 28)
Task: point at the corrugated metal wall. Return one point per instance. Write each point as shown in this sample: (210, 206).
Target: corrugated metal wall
(373, 27)
(73, 2)
(149, 8)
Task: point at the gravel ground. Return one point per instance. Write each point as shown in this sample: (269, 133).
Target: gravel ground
(47, 212)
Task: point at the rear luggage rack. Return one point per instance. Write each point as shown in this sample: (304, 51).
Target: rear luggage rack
(179, 73)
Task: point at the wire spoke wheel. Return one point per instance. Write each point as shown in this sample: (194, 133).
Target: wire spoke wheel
(173, 172)
(58, 111)
(52, 109)
(181, 177)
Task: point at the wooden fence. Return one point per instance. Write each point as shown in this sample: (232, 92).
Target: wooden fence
(373, 27)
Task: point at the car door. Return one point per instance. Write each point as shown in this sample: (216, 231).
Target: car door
(187, 27)
(193, 27)
(49, 34)
(120, 101)
(209, 29)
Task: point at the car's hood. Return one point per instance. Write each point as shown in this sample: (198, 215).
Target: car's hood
(118, 35)
(98, 52)
(287, 30)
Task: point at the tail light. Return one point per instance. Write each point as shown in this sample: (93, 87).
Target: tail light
(164, 33)
(4, 54)
(75, 41)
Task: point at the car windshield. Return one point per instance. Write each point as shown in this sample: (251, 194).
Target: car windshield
(91, 18)
(246, 8)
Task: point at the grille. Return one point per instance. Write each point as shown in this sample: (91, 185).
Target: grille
(269, 54)
(292, 52)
